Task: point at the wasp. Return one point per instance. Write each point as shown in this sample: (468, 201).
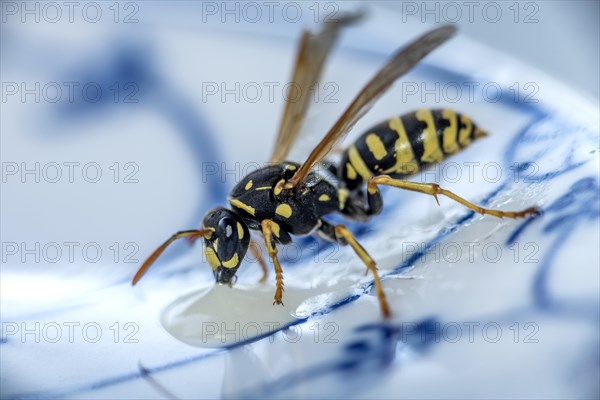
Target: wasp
(287, 198)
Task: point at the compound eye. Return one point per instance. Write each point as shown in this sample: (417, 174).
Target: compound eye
(228, 238)
(226, 227)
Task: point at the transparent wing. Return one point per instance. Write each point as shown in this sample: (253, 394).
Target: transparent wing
(310, 59)
(400, 63)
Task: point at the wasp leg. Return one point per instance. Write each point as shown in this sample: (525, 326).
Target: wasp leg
(256, 251)
(343, 236)
(435, 190)
(267, 230)
(326, 232)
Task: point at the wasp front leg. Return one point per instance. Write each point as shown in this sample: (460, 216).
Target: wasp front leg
(270, 227)
(434, 190)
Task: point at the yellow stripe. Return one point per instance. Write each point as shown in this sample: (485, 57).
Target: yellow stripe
(450, 133)
(212, 258)
(431, 145)
(324, 197)
(375, 146)
(233, 262)
(358, 163)
(405, 157)
(243, 206)
(275, 228)
(249, 185)
(342, 196)
(240, 229)
(463, 134)
(279, 187)
(284, 210)
(350, 171)
(263, 188)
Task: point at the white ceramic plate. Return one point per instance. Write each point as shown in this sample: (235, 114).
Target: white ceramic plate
(482, 307)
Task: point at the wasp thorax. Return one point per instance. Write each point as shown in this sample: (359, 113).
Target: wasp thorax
(226, 247)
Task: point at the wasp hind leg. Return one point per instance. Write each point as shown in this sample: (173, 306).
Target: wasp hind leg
(434, 190)
(342, 235)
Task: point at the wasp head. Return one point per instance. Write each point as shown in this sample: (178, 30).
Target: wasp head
(226, 247)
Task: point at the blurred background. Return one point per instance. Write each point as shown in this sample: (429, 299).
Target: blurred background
(123, 122)
(559, 37)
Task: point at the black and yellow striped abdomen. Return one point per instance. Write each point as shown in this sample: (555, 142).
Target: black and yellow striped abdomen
(401, 146)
